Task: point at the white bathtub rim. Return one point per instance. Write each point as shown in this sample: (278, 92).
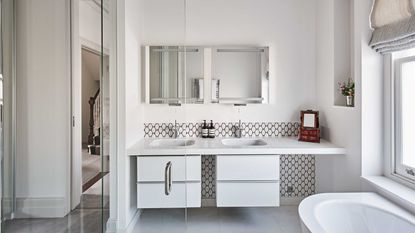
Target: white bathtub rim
(308, 208)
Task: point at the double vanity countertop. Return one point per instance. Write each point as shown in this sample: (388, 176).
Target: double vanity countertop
(231, 146)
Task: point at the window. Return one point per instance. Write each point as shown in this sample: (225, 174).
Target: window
(404, 115)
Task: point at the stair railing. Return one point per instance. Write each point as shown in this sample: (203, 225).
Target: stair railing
(94, 116)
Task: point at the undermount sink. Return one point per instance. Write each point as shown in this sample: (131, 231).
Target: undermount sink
(172, 142)
(238, 142)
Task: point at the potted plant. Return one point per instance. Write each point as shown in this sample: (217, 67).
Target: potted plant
(347, 89)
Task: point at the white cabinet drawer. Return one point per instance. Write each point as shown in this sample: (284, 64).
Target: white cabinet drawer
(247, 194)
(152, 195)
(248, 167)
(153, 168)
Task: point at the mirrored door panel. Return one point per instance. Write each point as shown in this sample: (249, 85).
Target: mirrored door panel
(6, 112)
(161, 190)
(56, 75)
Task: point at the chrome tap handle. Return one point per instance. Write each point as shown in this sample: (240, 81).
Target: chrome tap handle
(175, 131)
(238, 131)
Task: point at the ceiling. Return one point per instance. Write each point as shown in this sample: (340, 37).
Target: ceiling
(92, 63)
(97, 4)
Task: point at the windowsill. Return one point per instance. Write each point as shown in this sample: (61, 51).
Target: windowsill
(395, 191)
(343, 107)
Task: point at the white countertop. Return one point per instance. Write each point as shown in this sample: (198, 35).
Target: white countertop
(203, 146)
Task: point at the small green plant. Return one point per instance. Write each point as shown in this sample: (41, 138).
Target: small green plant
(347, 88)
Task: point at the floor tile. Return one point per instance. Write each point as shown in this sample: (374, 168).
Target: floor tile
(220, 220)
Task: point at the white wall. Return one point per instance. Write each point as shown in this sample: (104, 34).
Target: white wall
(358, 129)
(129, 126)
(288, 27)
(341, 125)
(43, 108)
(342, 47)
(372, 81)
(90, 28)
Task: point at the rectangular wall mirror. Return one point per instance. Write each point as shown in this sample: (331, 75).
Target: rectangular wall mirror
(242, 73)
(172, 73)
(176, 74)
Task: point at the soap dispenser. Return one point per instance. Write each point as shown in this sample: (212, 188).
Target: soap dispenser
(211, 130)
(205, 131)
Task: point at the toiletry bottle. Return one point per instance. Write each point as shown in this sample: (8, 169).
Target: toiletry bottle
(205, 133)
(211, 130)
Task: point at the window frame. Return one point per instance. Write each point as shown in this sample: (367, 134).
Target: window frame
(399, 169)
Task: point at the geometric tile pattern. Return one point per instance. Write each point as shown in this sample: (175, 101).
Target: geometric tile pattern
(166, 130)
(208, 177)
(298, 173)
(224, 129)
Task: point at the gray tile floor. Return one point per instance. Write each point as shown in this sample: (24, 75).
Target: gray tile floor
(78, 221)
(87, 218)
(283, 219)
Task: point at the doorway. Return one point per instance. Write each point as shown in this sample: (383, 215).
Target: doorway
(91, 128)
(90, 107)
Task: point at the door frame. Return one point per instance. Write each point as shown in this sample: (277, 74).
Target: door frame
(78, 43)
(76, 109)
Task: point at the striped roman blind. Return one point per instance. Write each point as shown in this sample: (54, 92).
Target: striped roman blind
(393, 24)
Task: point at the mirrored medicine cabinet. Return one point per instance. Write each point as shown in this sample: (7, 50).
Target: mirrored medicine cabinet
(206, 74)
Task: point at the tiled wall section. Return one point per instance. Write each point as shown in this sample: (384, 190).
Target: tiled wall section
(208, 177)
(250, 129)
(296, 171)
(299, 172)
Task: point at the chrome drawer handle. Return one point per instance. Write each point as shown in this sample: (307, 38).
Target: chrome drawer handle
(167, 179)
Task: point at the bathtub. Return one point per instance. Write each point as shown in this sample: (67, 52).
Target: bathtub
(353, 213)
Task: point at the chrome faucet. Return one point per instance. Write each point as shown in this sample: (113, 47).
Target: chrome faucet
(238, 130)
(175, 130)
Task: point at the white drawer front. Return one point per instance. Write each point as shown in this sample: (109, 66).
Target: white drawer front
(245, 194)
(152, 168)
(152, 195)
(193, 168)
(194, 194)
(248, 167)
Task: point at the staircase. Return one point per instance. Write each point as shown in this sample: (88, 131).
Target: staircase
(94, 145)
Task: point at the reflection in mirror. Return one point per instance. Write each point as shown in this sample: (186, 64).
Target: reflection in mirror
(175, 74)
(243, 74)
(309, 120)
(164, 69)
(194, 75)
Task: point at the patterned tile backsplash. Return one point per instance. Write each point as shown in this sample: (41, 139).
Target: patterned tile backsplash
(297, 172)
(250, 129)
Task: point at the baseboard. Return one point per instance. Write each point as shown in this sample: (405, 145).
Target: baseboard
(208, 202)
(41, 207)
(111, 226)
(7, 208)
(131, 224)
(291, 200)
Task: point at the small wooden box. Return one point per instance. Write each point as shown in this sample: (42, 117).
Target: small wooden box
(310, 127)
(309, 135)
